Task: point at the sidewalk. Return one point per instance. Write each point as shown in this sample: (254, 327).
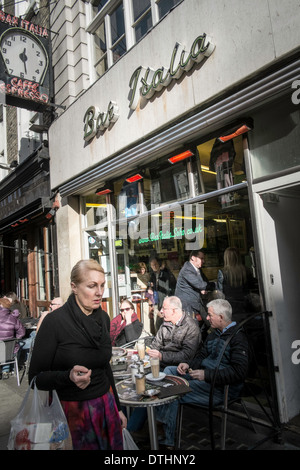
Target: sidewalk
(195, 432)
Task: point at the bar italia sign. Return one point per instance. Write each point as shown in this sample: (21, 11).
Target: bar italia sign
(145, 82)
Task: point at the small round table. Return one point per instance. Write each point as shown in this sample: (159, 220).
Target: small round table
(126, 386)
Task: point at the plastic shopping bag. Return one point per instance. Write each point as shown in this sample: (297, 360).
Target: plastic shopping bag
(128, 442)
(40, 423)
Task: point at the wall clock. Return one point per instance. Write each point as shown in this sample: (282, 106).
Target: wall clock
(24, 55)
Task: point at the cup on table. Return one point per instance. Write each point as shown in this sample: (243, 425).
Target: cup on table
(154, 363)
(140, 383)
(141, 349)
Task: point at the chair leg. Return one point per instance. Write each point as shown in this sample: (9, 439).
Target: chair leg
(224, 418)
(17, 371)
(179, 426)
(248, 415)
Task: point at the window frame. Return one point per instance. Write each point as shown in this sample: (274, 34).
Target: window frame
(103, 16)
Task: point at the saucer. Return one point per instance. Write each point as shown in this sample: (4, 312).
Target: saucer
(154, 379)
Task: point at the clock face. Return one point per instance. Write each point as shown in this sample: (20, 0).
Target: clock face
(24, 55)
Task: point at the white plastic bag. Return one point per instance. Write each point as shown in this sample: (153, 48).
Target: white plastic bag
(128, 442)
(39, 424)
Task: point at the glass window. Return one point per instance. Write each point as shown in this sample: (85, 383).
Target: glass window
(221, 164)
(101, 64)
(95, 210)
(164, 6)
(118, 33)
(100, 4)
(142, 17)
(275, 138)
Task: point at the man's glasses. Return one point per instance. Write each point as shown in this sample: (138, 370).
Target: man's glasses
(150, 305)
(125, 309)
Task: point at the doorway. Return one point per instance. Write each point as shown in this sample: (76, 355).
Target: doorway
(278, 226)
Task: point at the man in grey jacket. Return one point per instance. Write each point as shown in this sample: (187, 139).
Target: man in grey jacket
(192, 284)
(179, 336)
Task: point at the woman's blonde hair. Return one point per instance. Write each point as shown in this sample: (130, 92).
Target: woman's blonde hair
(234, 271)
(77, 273)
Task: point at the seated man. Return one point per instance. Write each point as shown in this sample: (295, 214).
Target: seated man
(179, 336)
(232, 370)
(177, 340)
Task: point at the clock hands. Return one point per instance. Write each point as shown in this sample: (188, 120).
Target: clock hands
(23, 58)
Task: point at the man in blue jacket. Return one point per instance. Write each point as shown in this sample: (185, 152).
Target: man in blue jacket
(192, 284)
(201, 370)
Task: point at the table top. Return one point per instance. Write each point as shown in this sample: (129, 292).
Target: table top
(172, 386)
(130, 356)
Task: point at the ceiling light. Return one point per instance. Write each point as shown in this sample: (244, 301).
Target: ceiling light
(241, 130)
(103, 190)
(181, 156)
(134, 178)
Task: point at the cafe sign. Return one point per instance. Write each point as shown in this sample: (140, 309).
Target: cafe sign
(145, 82)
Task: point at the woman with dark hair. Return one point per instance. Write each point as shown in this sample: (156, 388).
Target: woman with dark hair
(235, 281)
(72, 353)
(126, 326)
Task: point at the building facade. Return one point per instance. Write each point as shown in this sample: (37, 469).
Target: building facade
(27, 205)
(181, 132)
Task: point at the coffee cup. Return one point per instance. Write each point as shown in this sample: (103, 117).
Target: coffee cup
(154, 363)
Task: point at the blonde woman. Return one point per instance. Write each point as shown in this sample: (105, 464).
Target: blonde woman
(71, 354)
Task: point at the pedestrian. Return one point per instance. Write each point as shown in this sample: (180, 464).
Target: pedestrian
(72, 353)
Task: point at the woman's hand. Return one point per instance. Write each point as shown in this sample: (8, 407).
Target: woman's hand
(81, 376)
(123, 419)
(128, 317)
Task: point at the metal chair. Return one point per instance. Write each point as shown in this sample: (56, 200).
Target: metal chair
(250, 389)
(27, 362)
(148, 340)
(8, 356)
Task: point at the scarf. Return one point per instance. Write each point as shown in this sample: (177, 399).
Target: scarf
(116, 326)
(90, 325)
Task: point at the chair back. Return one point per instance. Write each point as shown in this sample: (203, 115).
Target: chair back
(7, 348)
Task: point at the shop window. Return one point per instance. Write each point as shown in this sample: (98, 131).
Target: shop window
(95, 210)
(221, 164)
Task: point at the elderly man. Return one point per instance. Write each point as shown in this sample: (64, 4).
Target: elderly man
(192, 284)
(57, 302)
(177, 340)
(233, 367)
(179, 336)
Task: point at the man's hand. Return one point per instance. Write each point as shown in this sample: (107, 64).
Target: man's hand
(154, 353)
(182, 368)
(197, 374)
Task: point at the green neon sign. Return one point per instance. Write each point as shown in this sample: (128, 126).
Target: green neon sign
(176, 233)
